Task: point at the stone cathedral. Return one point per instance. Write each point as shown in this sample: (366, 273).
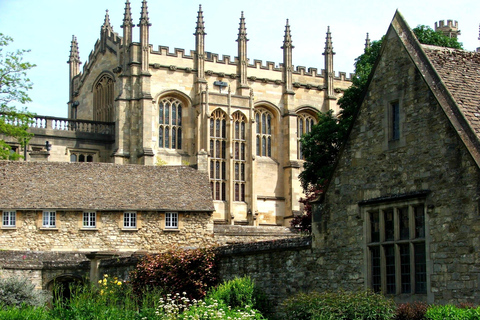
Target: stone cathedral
(239, 119)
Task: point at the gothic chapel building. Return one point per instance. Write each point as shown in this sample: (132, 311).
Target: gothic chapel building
(133, 103)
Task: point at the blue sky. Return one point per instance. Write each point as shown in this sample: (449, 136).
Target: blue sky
(46, 28)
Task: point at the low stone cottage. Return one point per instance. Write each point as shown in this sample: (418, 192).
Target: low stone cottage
(94, 207)
(401, 212)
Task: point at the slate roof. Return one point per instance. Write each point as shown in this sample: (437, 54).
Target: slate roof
(103, 186)
(460, 71)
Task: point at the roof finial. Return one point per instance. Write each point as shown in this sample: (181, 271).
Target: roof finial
(328, 42)
(200, 29)
(127, 16)
(144, 15)
(107, 27)
(367, 42)
(287, 40)
(74, 53)
(242, 30)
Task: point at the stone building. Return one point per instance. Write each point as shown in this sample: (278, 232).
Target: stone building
(401, 212)
(99, 207)
(133, 103)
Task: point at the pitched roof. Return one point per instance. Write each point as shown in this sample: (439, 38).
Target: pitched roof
(453, 77)
(103, 186)
(460, 71)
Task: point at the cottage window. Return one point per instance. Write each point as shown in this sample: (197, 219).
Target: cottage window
(263, 120)
(9, 219)
(305, 123)
(130, 220)
(396, 249)
(239, 159)
(89, 219)
(394, 121)
(49, 219)
(218, 158)
(171, 220)
(77, 156)
(170, 123)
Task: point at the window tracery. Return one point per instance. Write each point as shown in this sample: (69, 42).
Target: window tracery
(305, 122)
(218, 145)
(103, 98)
(170, 123)
(263, 119)
(239, 146)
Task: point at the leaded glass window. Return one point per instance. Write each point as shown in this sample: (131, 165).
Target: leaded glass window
(170, 123)
(218, 145)
(239, 159)
(305, 123)
(396, 249)
(103, 99)
(263, 119)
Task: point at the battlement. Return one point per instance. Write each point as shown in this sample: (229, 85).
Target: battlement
(256, 64)
(450, 29)
(450, 24)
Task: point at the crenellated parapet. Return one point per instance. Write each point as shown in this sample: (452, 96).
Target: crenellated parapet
(449, 29)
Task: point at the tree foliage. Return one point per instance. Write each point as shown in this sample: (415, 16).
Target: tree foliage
(322, 145)
(14, 85)
(427, 35)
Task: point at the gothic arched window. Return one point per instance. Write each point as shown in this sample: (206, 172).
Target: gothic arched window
(170, 123)
(218, 146)
(305, 122)
(239, 159)
(263, 119)
(103, 98)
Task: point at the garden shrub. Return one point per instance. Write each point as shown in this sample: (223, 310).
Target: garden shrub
(177, 271)
(240, 292)
(339, 305)
(452, 313)
(411, 311)
(25, 312)
(20, 291)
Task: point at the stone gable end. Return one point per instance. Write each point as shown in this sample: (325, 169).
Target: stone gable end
(428, 158)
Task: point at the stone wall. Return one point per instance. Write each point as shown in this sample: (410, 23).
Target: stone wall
(195, 230)
(281, 268)
(428, 157)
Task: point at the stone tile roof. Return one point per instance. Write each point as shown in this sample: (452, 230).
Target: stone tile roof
(460, 71)
(102, 186)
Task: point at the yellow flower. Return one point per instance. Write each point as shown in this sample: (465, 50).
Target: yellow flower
(105, 275)
(119, 283)
(101, 292)
(100, 281)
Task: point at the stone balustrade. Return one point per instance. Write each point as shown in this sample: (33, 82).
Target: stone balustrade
(65, 124)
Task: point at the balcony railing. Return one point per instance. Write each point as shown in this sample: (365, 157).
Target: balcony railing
(64, 124)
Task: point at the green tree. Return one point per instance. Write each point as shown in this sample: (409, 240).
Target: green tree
(322, 145)
(427, 35)
(14, 85)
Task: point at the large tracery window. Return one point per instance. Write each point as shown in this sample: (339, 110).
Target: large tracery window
(305, 122)
(170, 123)
(239, 146)
(263, 119)
(218, 145)
(103, 97)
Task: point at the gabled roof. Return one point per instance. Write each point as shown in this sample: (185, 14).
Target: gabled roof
(103, 186)
(453, 76)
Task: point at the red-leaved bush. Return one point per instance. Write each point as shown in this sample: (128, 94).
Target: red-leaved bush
(411, 311)
(303, 222)
(177, 271)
